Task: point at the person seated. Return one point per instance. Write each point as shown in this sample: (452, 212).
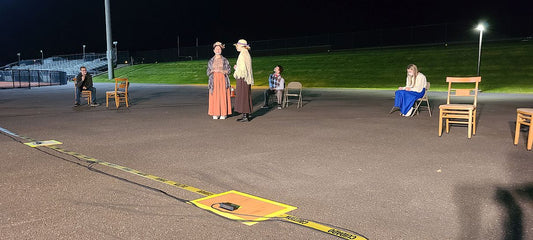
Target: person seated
(84, 81)
(276, 84)
(415, 87)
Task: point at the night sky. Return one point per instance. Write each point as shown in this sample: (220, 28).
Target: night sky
(63, 26)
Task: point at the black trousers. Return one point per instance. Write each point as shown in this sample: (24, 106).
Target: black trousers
(268, 92)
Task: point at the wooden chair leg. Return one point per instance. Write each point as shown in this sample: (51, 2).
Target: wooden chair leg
(447, 125)
(530, 137)
(440, 123)
(89, 96)
(474, 122)
(469, 124)
(517, 129)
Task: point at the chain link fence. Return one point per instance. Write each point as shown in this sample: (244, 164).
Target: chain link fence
(433, 34)
(31, 78)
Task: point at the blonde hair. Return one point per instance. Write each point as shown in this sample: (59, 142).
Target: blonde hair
(415, 73)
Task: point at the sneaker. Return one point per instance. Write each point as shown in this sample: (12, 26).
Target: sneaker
(222, 117)
(279, 106)
(76, 104)
(95, 104)
(215, 117)
(265, 106)
(409, 113)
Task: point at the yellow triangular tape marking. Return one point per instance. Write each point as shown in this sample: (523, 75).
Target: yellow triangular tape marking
(252, 209)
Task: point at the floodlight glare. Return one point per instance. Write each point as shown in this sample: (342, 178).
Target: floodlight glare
(480, 27)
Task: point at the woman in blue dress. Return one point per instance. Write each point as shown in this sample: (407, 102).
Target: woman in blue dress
(415, 87)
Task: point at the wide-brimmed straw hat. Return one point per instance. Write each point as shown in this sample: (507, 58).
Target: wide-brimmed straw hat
(222, 46)
(242, 43)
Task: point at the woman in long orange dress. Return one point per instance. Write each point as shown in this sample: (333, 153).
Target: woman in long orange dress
(218, 70)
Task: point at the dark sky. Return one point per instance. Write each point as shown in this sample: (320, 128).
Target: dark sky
(63, 26)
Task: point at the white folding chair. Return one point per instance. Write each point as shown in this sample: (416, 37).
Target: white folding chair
(293, 89)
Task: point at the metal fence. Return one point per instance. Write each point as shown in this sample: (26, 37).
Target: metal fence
(31, 78)
(433, 34)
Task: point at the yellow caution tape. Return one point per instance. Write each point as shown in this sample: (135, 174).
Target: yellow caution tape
(133, 171)
(321, 227)
(290, 218)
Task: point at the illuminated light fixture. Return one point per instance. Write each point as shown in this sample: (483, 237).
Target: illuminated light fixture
(480, 27)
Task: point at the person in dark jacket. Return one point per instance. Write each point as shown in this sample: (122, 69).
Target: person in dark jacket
(84, 81)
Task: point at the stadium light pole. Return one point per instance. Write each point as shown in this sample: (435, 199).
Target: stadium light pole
(110, 73)
(84, 52)
(18, 54)
(42, 57)
(480, 28)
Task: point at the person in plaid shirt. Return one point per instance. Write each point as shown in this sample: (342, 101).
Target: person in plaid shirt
(276, 84)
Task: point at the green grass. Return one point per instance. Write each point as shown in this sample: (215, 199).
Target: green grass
(506, 67)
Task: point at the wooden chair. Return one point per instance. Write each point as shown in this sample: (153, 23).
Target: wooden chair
(120, 94)
(421, 100)
(460, 113)
(85, 94)
(524, 116)
(293, 89)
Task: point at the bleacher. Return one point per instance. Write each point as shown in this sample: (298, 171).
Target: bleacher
(71, 67)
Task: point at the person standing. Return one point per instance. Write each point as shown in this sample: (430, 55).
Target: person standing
(218, 69)
(415, 87)
(244, 77)
(276, 84)
(84, 81)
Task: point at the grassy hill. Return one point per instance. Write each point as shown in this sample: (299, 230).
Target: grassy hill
(506, 67)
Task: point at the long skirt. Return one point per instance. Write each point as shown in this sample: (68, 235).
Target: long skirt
(243, 97)
(406, 99)
(219, 101)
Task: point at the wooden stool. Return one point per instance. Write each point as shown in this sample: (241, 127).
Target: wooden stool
(523, 116)
(86, 94)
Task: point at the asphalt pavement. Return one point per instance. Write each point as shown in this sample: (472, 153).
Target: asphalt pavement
(341, 159)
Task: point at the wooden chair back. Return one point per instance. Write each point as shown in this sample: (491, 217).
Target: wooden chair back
(121, 85)
(462, 92)
(120, 94)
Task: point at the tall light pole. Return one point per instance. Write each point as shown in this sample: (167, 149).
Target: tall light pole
(116, 51)
(18, 54)
(42, 57)
(110, 73)
(480, 28)
(84, 52)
